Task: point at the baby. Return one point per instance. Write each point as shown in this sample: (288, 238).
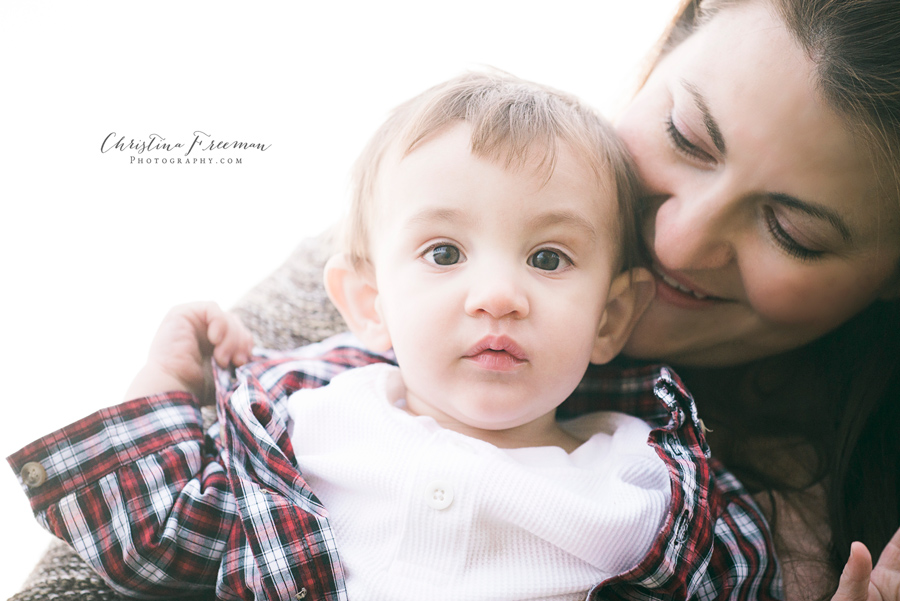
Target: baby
(486, 246)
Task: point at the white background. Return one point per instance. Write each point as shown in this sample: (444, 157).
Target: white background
(93, 249)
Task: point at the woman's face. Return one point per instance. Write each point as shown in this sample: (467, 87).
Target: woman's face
(766, 226)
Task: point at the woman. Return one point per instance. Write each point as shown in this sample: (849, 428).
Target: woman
(767, 135)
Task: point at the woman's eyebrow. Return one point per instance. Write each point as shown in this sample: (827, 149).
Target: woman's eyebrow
(813, 210)
(712, 128)
(816, 211)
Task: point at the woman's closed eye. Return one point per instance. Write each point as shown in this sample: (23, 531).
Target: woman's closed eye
(784, 240)
(683, 145)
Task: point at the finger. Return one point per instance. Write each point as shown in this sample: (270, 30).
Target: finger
(221, 334)
(241, 340)
(886, 575)
(243, 351)
(890, 556)
(854, 583)
(183, 328)
(247, 344)
(223, 352)
(235, 344)
(216, 323)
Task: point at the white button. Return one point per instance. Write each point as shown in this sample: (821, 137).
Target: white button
(438, 495)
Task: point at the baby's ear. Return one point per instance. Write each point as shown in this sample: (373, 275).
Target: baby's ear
(629, 296)
(355, 294)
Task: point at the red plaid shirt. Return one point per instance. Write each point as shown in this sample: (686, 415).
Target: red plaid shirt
(159, 508)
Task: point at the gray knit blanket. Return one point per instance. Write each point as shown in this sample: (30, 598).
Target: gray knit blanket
(286, 310)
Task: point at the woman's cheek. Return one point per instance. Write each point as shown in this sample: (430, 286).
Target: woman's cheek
(821, 296)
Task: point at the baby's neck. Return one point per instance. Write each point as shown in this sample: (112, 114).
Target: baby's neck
(542, 432)
(512, 439)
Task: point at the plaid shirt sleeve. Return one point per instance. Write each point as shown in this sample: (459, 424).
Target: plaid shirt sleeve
(715, 544)
(159, 508)
(135, 491)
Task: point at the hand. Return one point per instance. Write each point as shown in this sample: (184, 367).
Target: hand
(860, 582)
(179, 358)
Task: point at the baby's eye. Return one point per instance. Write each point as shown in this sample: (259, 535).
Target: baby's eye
(445, 254)
(546, 260)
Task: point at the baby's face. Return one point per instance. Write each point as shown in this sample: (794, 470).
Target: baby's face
(492, 281)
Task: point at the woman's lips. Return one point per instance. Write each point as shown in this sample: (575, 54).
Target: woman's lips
(672, 282)
(497, 353)
(678, 292)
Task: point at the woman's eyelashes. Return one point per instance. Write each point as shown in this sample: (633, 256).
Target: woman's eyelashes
(785, 240)
(683, 145)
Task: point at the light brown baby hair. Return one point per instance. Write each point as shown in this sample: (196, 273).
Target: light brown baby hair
(513, 121)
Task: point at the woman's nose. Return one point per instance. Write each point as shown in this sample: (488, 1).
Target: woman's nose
(695, 233)
(497, 292)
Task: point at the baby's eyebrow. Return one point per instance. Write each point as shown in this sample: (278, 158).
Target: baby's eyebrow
(569, 219)
(439, 215)
(574, 221)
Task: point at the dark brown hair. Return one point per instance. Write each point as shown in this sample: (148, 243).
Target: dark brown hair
(840, 394)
